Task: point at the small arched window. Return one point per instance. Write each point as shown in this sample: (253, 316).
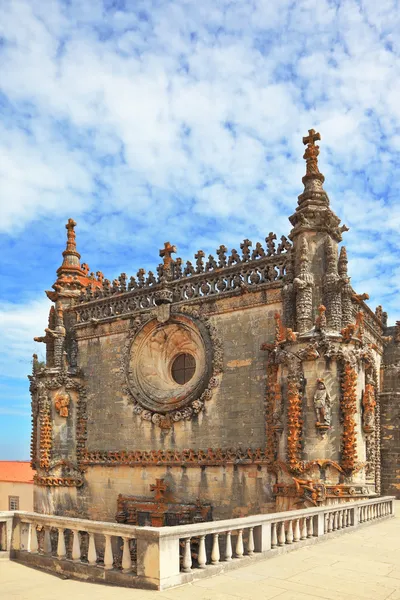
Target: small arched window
(183, 368)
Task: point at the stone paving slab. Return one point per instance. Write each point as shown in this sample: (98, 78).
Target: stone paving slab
(364, 564)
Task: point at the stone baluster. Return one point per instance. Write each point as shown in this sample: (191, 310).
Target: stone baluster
(296, 531)
(215, 554)
(108, 555)
(303, 535)
(47, 541)
(274, 537)
(310, 527)
(340, 519)
(76, 546)
(239, 550)
(250, 544)
(330, 522)
(126, 557)
(202, 557)
(346, 518)
(61, 550)
(281, 534)
(32, 539)
(289, 533)
(335, 521)
(228, 546)
(187, 557)
(92, 554)
(326, 522)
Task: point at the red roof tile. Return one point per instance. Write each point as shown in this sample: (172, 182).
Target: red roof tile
(17, 471)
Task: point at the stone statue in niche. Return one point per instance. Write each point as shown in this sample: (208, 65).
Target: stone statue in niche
(61, 403)
(322, 405)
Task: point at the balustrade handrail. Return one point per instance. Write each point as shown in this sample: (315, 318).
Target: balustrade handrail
(180, 531)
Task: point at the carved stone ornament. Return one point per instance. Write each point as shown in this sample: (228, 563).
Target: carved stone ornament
(61, 403)
(150, 352)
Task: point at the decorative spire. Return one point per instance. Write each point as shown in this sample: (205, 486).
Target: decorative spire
(311, 156)
(71, 258)
(72, 277)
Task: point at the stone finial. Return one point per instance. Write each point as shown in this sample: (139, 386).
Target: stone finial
(311, 154)
(343, 262)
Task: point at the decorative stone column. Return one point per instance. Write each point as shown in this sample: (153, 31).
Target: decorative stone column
(332, 288)
(303, 285)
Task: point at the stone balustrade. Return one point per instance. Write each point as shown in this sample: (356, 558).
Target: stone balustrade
(162, 557)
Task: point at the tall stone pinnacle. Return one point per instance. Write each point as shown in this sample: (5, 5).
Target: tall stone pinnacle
(71, 276)
(71, 257)
(313, 212)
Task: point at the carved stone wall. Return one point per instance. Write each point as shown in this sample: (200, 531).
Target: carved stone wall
(390, 416)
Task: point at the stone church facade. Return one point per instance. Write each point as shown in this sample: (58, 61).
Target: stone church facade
(251, 381)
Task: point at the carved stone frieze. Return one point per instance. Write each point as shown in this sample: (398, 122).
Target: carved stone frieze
(188, 457)
(307, 490)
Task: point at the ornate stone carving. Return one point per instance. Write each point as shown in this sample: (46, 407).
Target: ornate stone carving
(332, 287)
(61, 403)
(349, 410)
(346, 289)
(41, 383)
(155, 396)
(303, 285)
(188, 457)
(294, 422)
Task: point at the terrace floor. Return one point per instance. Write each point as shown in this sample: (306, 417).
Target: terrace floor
(360, 564)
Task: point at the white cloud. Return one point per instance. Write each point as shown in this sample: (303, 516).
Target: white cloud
(19, 324)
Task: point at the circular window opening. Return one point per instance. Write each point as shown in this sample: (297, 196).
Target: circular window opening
(183, 368)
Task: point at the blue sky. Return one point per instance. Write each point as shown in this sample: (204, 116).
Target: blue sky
(182, 121)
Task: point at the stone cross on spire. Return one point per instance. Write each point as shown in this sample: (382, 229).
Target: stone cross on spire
(71, 244)
(166, 253)
(311, 153)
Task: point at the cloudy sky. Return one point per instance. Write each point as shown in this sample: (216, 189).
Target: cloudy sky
(182, 120)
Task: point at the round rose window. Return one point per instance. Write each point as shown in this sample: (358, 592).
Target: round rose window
(169, 363)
